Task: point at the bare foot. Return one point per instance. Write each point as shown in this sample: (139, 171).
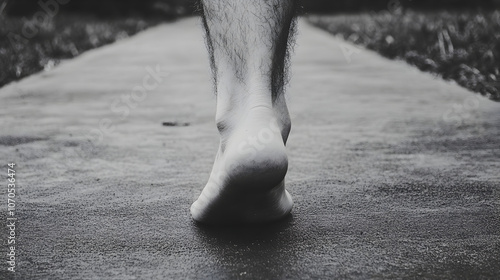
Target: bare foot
(247, 180)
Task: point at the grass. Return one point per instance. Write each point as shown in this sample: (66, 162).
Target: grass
(62, 37)
(461, 46)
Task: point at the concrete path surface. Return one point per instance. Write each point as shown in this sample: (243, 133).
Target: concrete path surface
(394, 173)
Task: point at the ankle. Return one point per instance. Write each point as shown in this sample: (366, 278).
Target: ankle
(253, 113)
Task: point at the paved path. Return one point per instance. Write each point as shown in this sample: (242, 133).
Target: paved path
(394, 173)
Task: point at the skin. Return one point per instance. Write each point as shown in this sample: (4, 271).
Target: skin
(248, 44)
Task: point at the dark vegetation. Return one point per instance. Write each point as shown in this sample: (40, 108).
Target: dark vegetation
(104, 8)
(329, 6)
(463, 46)
(36, 36)
(63, 37)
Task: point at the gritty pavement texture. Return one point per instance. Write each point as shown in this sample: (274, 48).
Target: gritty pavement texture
(394, 173)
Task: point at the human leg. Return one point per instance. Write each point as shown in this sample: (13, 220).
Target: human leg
(248, 43)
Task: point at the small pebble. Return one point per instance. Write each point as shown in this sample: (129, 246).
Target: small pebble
(175, 124)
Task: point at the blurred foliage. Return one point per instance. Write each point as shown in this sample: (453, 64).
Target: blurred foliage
(339, 6)
(37, 34)
(463, 46)
(107, 8)
(61, 37)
